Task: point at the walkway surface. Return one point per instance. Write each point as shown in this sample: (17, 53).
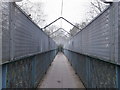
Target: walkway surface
(61, 75)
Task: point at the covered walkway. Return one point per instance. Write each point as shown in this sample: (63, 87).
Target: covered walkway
(61, 75)
(27, 52)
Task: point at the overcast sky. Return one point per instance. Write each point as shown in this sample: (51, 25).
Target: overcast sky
(73, 10)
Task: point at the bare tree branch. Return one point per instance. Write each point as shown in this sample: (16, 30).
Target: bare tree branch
(34, 10)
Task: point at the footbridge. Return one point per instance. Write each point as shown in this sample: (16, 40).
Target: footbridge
(27, 53)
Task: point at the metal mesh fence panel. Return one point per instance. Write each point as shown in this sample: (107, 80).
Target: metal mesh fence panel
(100, 37)
(21, 36)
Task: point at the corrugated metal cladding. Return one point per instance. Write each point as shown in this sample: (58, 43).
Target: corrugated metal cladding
(5, 32)
(119, 31)
(100, 37)
(26, 37)
(0, 32)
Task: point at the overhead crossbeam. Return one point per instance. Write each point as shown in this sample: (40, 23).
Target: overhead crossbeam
(63, 19)
(69, 22)
(52, 22)
(58, 30)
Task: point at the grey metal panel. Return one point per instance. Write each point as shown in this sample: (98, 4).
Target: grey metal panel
(100, 37)
(98, 34)
(114, 32)
(118, 31)
(0, 32)
(5, 32)
(27, 36)
(22, 37)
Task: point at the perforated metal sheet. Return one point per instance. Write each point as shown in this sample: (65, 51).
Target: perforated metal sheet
(0, 32)
(100, 37)
(27, 37)
(118, 30)
(5, 32)
(22, 37)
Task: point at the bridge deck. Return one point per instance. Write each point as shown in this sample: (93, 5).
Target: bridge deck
(61, 75)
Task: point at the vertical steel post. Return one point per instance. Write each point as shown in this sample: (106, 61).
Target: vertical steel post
(11, 29)
(0, 45)
(114, 32)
